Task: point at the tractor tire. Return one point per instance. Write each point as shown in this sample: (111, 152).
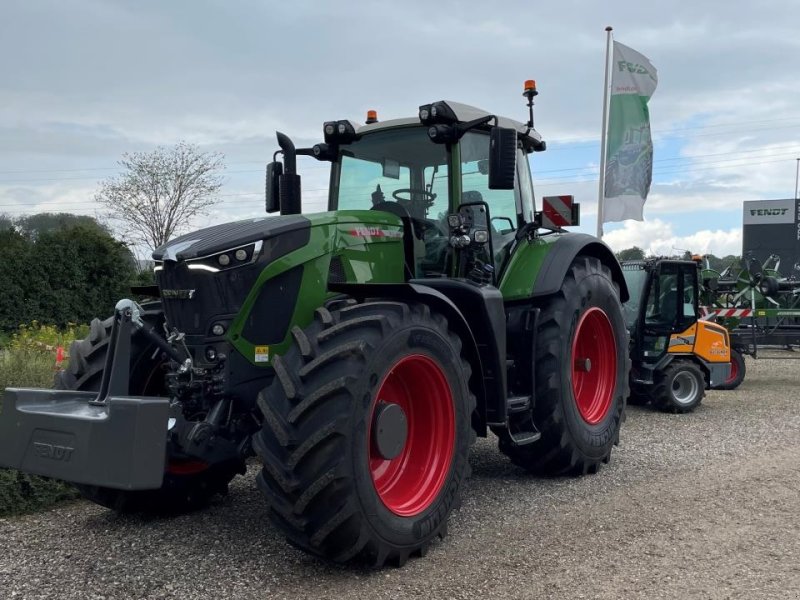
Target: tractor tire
(581, 366)
(738, 372)
(366, 432)
(187, 485)
(680, 387)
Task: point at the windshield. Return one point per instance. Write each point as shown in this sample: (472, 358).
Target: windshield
(399, 165)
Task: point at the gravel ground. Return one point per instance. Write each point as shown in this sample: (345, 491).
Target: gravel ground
(705, 505)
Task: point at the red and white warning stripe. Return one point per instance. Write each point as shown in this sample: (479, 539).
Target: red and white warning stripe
(556, 211)
(726, 312)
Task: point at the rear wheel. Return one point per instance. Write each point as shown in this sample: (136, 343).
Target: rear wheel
(366, 433)
(187, 485)
(738, 372)
(581, 368)
(680, 387)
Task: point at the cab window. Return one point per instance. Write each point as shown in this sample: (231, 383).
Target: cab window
(475, 183)
(475, 188)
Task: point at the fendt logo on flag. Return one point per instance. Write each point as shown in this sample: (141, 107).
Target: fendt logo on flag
(556, 211)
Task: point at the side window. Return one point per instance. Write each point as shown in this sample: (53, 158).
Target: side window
(689, 312)
(475, 183)
(662, 304)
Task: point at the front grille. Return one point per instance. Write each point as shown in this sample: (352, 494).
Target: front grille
(193, 299)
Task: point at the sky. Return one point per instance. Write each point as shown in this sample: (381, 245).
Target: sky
(87, 80)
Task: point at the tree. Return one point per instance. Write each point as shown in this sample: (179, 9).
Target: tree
(6, 222)
(32, 226)
(61, 276)
(84, 274)
(160, 192)
(17, 305)
(634, 253)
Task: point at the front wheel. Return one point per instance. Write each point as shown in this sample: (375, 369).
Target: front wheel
(367, 428)
(581, 368)
(680, 387)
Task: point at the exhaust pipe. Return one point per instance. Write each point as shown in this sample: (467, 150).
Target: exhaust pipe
(289, 182)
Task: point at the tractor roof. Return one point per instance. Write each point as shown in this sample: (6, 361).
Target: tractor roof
(464, 112)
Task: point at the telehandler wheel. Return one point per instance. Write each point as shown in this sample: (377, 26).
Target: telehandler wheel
(738, 372)
(679, 387)
(581, 368)
(187, 485)
(367, 427)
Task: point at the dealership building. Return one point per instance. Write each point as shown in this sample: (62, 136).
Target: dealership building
(773, 227)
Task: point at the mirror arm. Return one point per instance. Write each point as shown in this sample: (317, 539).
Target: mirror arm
(463, 128)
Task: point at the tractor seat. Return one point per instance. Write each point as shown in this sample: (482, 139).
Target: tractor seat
(471, 196)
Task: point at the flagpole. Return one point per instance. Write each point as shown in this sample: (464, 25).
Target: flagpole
(601, 192)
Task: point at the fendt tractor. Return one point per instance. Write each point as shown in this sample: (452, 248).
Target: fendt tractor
(675, 354)
(357, 352)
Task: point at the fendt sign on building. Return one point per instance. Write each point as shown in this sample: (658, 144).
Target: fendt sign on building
(773, 227)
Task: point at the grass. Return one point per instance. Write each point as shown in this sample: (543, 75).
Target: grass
(22, 366)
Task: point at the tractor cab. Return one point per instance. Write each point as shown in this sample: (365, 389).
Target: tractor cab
(668, 338)
(457, 176)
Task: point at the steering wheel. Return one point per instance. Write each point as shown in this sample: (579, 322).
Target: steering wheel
(421, 227)
(430, 196)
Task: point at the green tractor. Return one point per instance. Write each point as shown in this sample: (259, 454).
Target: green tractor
(357, 352)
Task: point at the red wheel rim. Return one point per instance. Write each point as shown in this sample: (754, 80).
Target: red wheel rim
(186, 467)
(410, 482)
(734, 372)
(594, 365)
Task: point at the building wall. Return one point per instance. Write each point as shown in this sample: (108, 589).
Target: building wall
(773, 227)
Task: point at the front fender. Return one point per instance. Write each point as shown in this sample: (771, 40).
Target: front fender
(482, 336)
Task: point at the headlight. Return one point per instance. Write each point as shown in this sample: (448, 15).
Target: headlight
(222, 261)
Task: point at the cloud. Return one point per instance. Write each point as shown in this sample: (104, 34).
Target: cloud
(85, 81)
(657, 237)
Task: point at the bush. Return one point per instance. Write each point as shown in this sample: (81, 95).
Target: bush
(24, 363)
(38, 337)
(22, 493)
(61, 276)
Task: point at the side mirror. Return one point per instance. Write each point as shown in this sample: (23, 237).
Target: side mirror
(502, 158)
(272, 189)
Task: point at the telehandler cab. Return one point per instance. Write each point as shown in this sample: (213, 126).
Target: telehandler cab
(356, 352)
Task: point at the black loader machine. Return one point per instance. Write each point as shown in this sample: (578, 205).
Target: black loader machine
(675, 355)
(356, 352)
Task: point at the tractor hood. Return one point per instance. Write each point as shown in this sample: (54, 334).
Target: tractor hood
(228, 235)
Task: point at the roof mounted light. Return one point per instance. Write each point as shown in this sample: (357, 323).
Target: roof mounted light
(372, 117)
(339, 132)
(443, 134)
(437, 113)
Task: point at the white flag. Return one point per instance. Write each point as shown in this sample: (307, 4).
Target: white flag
(629, 150)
